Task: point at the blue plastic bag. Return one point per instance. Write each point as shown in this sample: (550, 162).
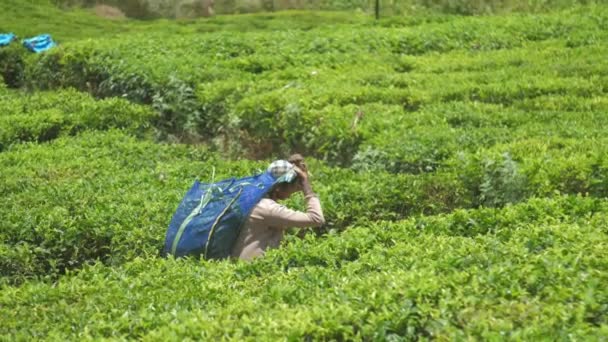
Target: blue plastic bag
(209, 218)
(6, 38)
(39, 43)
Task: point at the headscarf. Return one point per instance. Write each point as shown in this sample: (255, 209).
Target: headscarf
(283, 171)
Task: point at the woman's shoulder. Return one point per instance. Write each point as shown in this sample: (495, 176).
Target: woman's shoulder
(267, 203)
(264, 208)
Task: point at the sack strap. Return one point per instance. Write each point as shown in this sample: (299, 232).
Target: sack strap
(217, 220)
(205, 199)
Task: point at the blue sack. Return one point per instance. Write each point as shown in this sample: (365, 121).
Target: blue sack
(39, 43)
(6, 39)
(209, 218)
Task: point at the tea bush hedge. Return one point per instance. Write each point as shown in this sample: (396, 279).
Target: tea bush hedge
(108, 197)
(263, 87)
(44, 116)
(525, 276)
(438, 133)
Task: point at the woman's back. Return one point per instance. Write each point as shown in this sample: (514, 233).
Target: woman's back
(267, 223)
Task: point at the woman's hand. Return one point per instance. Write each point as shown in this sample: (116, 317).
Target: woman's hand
(304, 182)
(298, 160)
(302, 174)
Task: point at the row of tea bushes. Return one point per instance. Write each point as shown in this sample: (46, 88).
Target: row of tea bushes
(325, 115)
(434, 135)
(44, 116)
(507, 172)
(257, 88)
(531, 271)
(109, 197)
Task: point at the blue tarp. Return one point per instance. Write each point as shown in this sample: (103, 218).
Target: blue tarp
(6, 38)
(39, 43)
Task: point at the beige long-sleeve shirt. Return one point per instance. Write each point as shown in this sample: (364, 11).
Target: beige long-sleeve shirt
(267, 223)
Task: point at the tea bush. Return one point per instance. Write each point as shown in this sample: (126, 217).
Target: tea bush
(401, 280)
(268, 90)
(44, 116)
(12, 66)
(108, 197)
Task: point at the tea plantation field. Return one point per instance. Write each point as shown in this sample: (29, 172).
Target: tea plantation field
(461, 161)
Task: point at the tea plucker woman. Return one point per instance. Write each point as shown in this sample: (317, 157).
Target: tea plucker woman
(266, 225)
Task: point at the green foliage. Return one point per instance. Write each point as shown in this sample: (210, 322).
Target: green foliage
(405, 280)
(44, 116)
(460, 161)
(33, 17)
(116, 195)
(336, 91)
(464, 7)
(12, 65)
(174, 8)
(502, 182)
